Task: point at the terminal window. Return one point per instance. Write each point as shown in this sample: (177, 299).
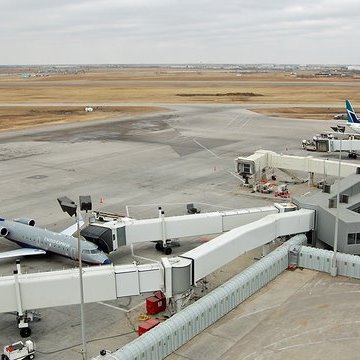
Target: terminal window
(353, 239)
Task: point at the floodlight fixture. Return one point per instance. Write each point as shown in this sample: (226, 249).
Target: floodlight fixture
(67, 205)
(85, 203)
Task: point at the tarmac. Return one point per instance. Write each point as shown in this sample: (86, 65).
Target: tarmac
(167, 159)
(299, 315)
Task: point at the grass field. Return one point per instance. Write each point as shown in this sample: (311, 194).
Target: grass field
(155, 86)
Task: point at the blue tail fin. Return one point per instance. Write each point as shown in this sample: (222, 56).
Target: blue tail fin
(352, 118)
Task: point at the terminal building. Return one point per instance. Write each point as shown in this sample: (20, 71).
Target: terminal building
(348, 212)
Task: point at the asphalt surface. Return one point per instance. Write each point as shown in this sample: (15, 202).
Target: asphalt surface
(300, 315)
(170, 159)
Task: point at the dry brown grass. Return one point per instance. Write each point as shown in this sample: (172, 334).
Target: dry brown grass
(165, 85)
(173, 74)
(141, 93)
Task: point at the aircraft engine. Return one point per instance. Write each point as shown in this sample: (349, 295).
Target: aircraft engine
(30, 222)
(4, 231)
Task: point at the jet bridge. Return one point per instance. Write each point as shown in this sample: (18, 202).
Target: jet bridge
(252, 167)
(350, 146)
(172, 275)
(110, 235)
(175, 276)
(208, 257)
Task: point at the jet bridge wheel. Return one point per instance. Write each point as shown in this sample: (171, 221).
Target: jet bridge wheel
(167, 250)
(352, 155)
(25, 332)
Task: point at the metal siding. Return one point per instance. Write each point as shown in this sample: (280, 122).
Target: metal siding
(193, 225)
(228, 246)
(150, 277)
(127, 283)
(175, 227)
(7, 302)
(318, 259)
(58, 283)
(348, 265)
(238, 218)
(136, 279)
(139, 230)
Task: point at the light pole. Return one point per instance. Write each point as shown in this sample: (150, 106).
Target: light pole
(333, 270)
(71, 208)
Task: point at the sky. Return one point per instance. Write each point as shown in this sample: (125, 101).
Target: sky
(179, 31)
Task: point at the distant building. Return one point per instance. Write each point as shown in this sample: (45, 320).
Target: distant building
(354, 67)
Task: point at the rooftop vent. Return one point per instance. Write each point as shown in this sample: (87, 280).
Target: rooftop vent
(327, 188)
(344, 198)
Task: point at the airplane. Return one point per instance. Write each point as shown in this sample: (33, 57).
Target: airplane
(352, 120)
(35, 241)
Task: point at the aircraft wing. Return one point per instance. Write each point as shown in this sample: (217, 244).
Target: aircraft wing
(73, 228)
(21, 252)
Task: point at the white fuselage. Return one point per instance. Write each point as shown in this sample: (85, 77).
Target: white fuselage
(354, 127)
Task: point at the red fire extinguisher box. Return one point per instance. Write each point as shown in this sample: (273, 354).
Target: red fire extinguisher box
(156, 303)
(147, 325)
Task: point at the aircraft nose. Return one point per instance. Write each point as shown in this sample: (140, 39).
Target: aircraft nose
(107, 262)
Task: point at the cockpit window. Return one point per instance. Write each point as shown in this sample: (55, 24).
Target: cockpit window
(92, 251)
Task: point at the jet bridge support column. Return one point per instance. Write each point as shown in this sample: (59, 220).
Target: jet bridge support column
(178, 280)
(265, 249)
(17, 293)
(22, 316)
(311, 178)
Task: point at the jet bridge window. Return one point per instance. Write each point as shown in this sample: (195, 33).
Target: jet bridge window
(247, 168)
(353, 239)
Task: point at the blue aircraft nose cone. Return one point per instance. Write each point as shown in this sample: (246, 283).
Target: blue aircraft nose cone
(107, 262)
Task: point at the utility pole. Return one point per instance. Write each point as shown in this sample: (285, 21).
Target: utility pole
(333, 270)
(82, 315)
(69, 206)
